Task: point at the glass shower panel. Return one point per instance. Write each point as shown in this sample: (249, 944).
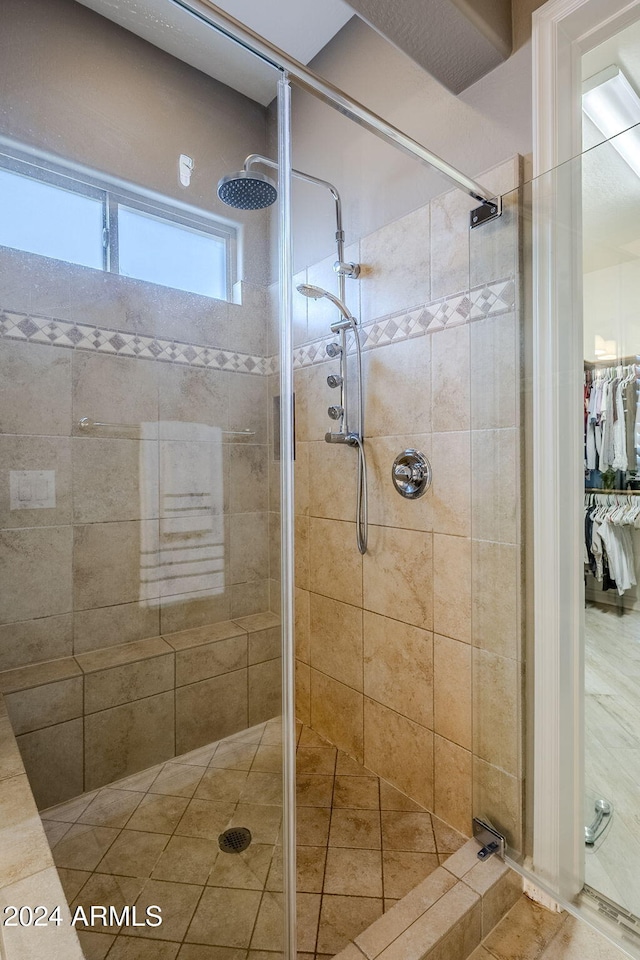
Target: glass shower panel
(140, 545)
(382, 637)
(610, 260)
(496, 495)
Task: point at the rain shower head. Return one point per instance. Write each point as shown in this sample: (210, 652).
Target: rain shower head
(247, 190)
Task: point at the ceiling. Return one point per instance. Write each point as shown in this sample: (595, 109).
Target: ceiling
(611, 190)
(301, 27)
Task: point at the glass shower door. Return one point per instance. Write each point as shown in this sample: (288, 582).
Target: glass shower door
(140, 343)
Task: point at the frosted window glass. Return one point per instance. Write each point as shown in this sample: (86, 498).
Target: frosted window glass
(40, 218)
(171, 254)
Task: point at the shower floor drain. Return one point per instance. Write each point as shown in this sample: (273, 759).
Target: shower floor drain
(234, 840)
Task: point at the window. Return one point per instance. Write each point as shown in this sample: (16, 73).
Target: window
(52, 213)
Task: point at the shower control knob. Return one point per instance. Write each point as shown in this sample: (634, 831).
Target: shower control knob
(335, 411)
(411, 474)
(333, 350)
(334, 380)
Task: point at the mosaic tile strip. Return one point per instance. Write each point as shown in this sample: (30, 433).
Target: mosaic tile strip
(487, 300)
(79, 336)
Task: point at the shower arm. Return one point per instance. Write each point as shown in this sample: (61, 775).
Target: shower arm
(256, 158)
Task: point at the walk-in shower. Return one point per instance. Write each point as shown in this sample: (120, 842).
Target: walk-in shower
(248, 189)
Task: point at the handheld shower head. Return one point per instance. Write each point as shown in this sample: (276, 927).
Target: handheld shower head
(247, 190)
(317, 293)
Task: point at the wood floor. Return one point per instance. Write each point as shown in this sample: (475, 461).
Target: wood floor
(612, 747)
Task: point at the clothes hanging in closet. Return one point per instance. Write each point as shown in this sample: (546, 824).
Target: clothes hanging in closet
(609, 551)
(612, 418)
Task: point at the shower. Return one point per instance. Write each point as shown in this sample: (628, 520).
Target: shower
(248, 189)
(341, 411)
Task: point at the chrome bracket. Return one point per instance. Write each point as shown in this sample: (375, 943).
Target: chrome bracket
(488, 210)
(491, 840)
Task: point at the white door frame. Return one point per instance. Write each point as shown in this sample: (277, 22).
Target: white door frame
(562, 31)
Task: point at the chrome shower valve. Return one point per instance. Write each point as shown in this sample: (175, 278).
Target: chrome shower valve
(335, 411)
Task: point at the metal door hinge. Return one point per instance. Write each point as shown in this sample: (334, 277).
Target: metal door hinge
(491, 840)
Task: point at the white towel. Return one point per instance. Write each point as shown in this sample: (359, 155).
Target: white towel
(187, 554)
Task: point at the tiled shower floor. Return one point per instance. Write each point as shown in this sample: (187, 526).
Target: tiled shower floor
(153, 839)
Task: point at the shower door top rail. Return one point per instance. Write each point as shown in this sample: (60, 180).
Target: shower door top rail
(300, 75)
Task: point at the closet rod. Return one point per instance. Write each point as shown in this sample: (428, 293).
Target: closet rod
(602, 490)
(622, 362)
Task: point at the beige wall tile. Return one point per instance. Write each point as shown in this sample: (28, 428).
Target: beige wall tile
(265, 691)
(496, 710)
(453, 787)
(452, 690)
(334, 562)
(450, 372)
(398, 667)
(336, 639)
(131, 681)
(275, 553)
(452, 587)
(301, 481)
(248, 486)
(53, 761)
(249, 547)
(400, 751)
(397, 387)
(120, 623)
(313, 396)
(265, 645)
(576, 941)
(34, 640)
(115, 390)
(45, 705)
(303, 692)
(35, 572)
(197, 723)
(450, 243)
(396, 265)
(248, 405)
(498, 797)
(495, 485)
(494, 254)
(211, 659)
(495, 372)
(386, 506)
(451, 492)
(35, 453)
(337, 713)
(301, 552)
(108, 481)
(495, 599)
(24, 848)
(36, 674)
(332, 480)
(249, 598)
(398, 575)
(188, 395)
(302, 624)
(128, 738)
(35, 391)
(187, 610)
(108, 561)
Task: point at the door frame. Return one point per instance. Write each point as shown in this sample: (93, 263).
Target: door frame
(563, 30)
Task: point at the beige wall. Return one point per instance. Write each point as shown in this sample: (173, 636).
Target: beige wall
(409, 657)
(521, 11)
(81, 87)
(485, 125)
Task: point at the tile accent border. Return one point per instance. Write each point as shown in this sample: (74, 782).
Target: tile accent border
(79, 336)
(486, 300)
